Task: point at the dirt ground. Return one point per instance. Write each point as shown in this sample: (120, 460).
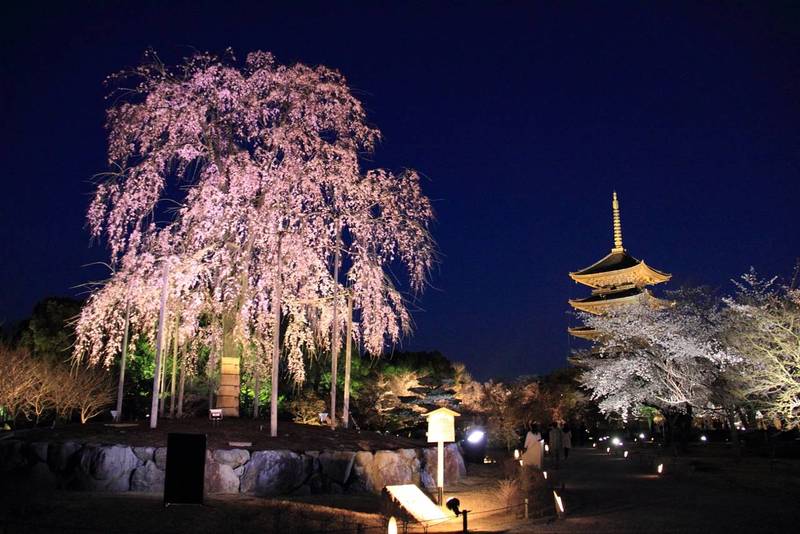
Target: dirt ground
(601, 494)
(220, 435)
(605, 493)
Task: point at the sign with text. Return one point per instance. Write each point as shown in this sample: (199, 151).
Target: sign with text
(441, 425)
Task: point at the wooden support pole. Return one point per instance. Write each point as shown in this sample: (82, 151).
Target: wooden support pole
(172, 382)
(159, 347)
(123, 359)
(276, 347)
(440, 470)
(347, 361)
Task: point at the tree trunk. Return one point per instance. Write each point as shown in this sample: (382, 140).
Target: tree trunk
(161, 397)
(159, 346)
(276, 347)
(730, 415)
(172, 382)
(335, 333)
(347, 361)
(181, 386)
(123, 359)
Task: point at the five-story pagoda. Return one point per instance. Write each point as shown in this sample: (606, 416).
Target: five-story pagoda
(616, 280)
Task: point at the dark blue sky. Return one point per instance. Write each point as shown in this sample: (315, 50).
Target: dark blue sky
(523, 116)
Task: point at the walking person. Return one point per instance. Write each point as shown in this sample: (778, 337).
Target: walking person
(533, 448)
(554, 438)
(566, 437)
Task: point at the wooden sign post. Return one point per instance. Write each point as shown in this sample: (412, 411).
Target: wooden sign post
(441, 428)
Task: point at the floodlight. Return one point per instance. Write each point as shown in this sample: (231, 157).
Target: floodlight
(475, 436)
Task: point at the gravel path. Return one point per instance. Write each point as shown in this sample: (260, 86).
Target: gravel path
(611, 494)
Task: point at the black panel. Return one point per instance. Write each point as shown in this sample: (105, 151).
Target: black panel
(186, 465)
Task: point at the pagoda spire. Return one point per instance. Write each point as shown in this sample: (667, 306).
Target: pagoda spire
(617, 225)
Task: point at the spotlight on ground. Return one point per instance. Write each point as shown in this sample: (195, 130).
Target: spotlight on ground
(452, 504)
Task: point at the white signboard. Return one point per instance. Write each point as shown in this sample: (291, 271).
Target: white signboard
(441, 425)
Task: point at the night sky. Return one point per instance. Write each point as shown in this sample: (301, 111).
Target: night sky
(523, 117)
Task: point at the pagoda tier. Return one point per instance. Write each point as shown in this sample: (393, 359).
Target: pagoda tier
(602, 301)
(618, 279)
(618, 269)
(584, 332)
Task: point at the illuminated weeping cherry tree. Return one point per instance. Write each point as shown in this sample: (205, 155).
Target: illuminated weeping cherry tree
(379, 219)
(275, 202)
(128, 306)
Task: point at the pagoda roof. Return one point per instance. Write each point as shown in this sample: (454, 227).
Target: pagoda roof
(584, 332)
(614, 261)
(618, 268)
(601, 301)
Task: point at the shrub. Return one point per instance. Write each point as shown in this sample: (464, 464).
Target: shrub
(508, 492)
(306, 409)
(34, 387)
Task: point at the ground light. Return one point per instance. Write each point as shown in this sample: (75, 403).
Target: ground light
(625, 454)
(616, 442)
(392, 526)
(559, 503)
(594, 445)
(416, 503)
(516, 454)
(452, 504)
(641, 436)
(544, 473)
(703, 438)
(660, 468)
(608, 449)
(546, 447)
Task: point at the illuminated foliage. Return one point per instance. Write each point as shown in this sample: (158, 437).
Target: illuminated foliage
(766, 330)
(268, 159)
(670, 357)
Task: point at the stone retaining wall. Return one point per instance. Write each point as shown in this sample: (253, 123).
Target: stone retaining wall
(114, 468)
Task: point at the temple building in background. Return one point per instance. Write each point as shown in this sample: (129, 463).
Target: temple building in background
(616, 280)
